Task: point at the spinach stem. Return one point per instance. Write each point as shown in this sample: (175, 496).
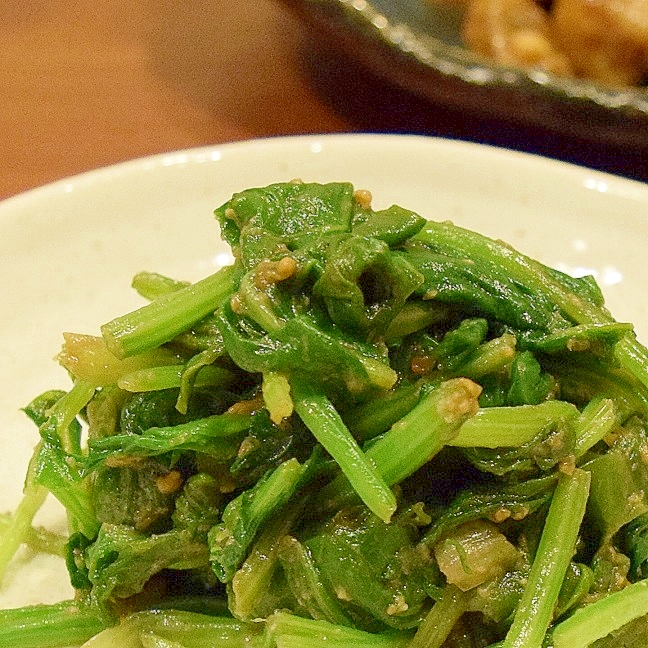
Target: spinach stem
(46, 626)
(602, 617)
(425, 430)
(440, 620)
(498, 427)
(291, 631)
(19, 526)
(322, 419)
(555, 551)
(169, 315)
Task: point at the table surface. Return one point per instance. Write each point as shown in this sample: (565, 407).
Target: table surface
(87, 84)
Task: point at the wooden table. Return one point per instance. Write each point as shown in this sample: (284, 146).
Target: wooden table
(86, 84)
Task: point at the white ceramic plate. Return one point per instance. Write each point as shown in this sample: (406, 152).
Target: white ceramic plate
(69, 250)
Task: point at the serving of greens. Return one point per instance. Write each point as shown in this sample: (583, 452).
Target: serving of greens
(370, 430)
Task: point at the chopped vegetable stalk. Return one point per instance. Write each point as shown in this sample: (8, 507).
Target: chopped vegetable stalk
(60, 426)
(54, 464)
(170, 377)
(209, 435)
(596, 421)
(494, 427)
(633, 356)
(256, 304)
(177, 628)
(50, 626)
(420, 434)
(252, 592)
(602, 617)
(377, 415)
(557, 544)
(440, 620)
(415, 439)
(18, 529)
(578, 338)
(490, 357)
(152, 284)
(38, 539)
(88, 359)
(325, 423)
(161, 320)
(289, 631)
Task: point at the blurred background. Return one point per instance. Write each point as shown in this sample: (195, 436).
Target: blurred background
(86, 84)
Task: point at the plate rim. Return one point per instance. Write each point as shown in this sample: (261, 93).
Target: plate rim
(213, 152)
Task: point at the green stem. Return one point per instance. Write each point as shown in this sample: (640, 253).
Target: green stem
(59, 428)
(152, 285)
(37, 539)
(257, 305)
(252, 583)
(48, 626)
(599, 619)
(421, 434)
(245, 514)
(555, 551)
(378, 414)
(414, 439)
(500, 427)
(178, 628)
(598, 418)
(289, 631)
(440, 620)
(214, 435)
(17, 531)
(170, 377)
(322, 419)
(633, 356)
(169, 315)
(490, 357)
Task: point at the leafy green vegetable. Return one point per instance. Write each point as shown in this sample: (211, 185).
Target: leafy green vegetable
(244, 515)
(369, 430)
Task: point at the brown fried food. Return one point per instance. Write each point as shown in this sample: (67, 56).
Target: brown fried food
(513, 32)
(605, 40)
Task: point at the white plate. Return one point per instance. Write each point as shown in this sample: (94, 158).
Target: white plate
(69, 250)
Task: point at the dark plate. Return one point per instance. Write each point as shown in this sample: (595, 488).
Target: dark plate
(416, 46)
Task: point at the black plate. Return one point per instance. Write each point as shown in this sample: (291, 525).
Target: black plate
(416, 46)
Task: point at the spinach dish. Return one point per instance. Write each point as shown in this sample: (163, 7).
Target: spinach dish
(370, 430)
